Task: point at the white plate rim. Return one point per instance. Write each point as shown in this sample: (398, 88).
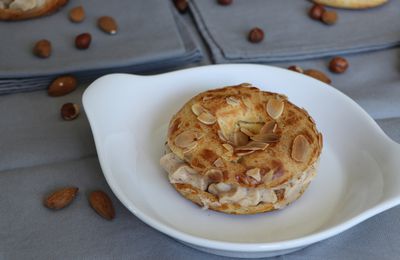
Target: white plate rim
(234, 246)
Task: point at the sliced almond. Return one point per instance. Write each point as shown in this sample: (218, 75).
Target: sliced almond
(245, 84)
(268, 176)
(275, 108)
(266, 138)
(243, 153)
(219, 163)
(251, 126)
(190, 147)
(232, 101)
(300, 148)
(252, 146)
(207, 118)
(246, 131)
(186, 139)
(228, 147)
(254, 173)
(221, 136)
(205, 98)
(197, 109)
(269, 127)
(239, 139)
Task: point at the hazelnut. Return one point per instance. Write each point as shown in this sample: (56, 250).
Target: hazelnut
(318, 75)
(296, 68)
(338, 65)
(329, 17)
(69, 111)
(256, 35)
(62, 85)
(225, 2)
(181, 6)
(107, 24)
(42, 48)
(77, 14)
(82, 41)
(316, 12)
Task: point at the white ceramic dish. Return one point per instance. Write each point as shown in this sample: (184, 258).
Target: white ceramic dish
(358, 175)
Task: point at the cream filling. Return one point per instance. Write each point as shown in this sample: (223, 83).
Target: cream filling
(22, 5)
(180, 172)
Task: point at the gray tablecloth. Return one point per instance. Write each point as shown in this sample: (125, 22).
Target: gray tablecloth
(289, 33)
(40, 152)
(142, 44)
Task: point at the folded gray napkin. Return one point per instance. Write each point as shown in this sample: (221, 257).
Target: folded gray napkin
(142, 44)
(289, 33)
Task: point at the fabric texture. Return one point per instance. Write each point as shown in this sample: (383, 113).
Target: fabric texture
(142, 44)
(289, 33)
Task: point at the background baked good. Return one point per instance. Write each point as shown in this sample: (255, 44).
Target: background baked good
(351, 4)
(26, 9)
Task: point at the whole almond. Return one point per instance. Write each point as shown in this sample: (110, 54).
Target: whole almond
(296, 68)
(318, 75)
(329, 17)
(42, 48)
(69, 111)
(181, 5)
(107, 24)
(77, 14)
(60, 198)
(82, 41)
(102, 204)
(62, 85)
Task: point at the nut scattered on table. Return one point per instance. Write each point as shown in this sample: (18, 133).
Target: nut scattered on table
(181, 5)
(107, 24)
(329, 17)
(42, 48)
(102, 204)
(338, 65)
(62, 85)
(316, 12)
(60, 198)
(77, 14)
(70, 111)
(296, 68)
(256, 35)
(318, 75)
(225, 2)
(82, 41)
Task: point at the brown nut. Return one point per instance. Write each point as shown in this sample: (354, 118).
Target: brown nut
(316, 12)
(181, 5)
(256, 35)
(329, 17)
(82, 41)
(296, 68)
(60, 198)
(338, 65)
(107, 24)
(42, 48)
(102, 204)
(225, 2)
(69, 111)
(62, 85)
(318, 75)
(77, 14)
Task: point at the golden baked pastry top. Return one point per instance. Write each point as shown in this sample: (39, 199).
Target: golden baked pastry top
(243, 136)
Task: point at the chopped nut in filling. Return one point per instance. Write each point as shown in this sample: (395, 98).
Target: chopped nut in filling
(180, 172)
